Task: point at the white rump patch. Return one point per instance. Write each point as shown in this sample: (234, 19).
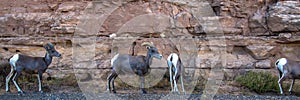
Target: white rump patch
(174, 58)
(13, 60)
(280, 63)
(113, 59)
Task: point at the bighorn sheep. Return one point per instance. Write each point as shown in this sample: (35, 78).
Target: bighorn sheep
(127, 64)
(30, 64)
(175, 66)
(287, 69)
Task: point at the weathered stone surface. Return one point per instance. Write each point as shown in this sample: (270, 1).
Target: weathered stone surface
(66, 7)
(284, 17)
(259, 51)
(284, 36)
(239, 62)
(264, 64)
(257, 23)
(231, 74)
(240, 11)
(57, 73)
(26, 25)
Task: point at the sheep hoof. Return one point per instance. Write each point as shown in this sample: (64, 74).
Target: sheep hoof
(21, 93)
(176, 92)
(41, 92)
(291, 92)
(144, 91)
(114, 91)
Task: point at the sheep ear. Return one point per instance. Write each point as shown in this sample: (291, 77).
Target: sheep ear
(46, 47)
(50, 45)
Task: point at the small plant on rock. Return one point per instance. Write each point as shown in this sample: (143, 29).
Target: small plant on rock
(259, 82)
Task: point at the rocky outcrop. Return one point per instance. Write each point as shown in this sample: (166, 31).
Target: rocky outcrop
(236, 35)
(284, 17)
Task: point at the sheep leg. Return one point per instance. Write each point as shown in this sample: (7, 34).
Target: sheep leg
(170, 71)
(174, 79)
(279, 74)
(109, 81)
(182, 85)
(280, 83)
(113, 83)
(12, 72)
(142, 78)
(40, 76)
(110, 76)
(291, 87)
(17, 74)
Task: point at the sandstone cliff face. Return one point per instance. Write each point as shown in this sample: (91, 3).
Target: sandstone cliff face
(238, 35)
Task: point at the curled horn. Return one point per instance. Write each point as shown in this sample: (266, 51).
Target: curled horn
(150, 44)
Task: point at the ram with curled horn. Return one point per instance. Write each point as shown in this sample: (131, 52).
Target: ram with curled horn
(127, 64)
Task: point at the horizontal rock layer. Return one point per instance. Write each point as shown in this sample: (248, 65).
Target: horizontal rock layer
(233, 35)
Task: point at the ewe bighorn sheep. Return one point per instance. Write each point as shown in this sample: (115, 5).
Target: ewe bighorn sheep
(127, 64)
(30, 64)
(287, 69)
(175, 66)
